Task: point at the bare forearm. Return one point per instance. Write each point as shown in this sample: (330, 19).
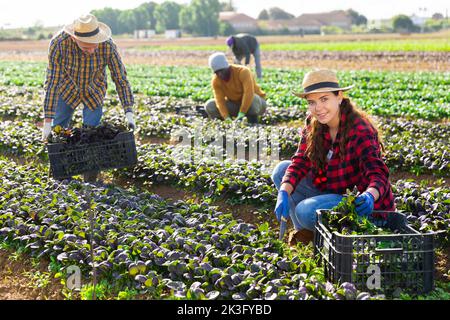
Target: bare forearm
(374, 192)
(287, 187)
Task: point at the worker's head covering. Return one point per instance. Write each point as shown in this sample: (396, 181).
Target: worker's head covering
(230, 41)
(322, 80)
(218, 61)
(87, 29)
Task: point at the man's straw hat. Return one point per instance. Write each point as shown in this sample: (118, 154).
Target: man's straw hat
(87, 29)
(320, 81)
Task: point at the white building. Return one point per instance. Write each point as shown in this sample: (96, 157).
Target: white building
(144, 34)
(173, 34)
(418, 21)
(379, 24)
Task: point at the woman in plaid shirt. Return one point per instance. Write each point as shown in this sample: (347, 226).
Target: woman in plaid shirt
(339, 149)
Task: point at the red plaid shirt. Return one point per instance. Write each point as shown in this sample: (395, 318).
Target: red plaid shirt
(362, 165)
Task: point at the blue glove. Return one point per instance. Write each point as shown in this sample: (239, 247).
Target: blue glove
(364, 204)
(282, 206)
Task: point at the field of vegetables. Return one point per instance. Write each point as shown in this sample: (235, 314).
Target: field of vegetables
(141, 245)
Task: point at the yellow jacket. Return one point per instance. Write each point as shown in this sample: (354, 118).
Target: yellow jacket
(241, 88)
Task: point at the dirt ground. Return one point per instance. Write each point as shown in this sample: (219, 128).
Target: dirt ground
(395, 61)
(247, 213)
(427, 179)
(443, 264)
(17, 281)
(174, 58)
(158, 41)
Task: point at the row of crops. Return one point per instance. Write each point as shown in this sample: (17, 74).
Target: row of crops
(164, 250)
(240, 182)
(181, 249)
(419, 95)
(138, 240)
(416, 146)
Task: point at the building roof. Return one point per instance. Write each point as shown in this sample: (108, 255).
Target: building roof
(324, 18)
(309, 20)
(305, 20)
(231, 16)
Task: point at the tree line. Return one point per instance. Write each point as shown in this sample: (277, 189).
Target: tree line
(199, 17)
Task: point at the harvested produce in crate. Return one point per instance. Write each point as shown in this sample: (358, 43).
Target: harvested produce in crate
(344, 219)
(85, 135)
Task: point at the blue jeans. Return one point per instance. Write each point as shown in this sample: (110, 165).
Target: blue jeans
(257, 55)
(305, 199)
(64, 114)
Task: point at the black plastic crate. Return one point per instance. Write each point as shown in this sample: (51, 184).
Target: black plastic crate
(69, 160)
(378, 263)
(191, 111)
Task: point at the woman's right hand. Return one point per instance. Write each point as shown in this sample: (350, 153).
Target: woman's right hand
(282, 206)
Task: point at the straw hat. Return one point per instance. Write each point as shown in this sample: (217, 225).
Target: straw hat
(320, 81)
(87, 29)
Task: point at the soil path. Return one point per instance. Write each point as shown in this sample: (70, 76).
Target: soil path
(20, 280)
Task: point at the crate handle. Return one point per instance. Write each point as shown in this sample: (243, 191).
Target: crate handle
(389, 250)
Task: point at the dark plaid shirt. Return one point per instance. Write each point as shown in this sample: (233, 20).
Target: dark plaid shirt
(362, 165)
(244, 45)
(80, 78)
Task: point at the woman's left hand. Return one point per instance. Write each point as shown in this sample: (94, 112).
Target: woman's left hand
(364, 204)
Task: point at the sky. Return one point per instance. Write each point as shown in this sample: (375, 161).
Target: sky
(24, 13)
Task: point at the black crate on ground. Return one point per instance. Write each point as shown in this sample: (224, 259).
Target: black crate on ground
(378, 263)
(69, 160)
(191, 111)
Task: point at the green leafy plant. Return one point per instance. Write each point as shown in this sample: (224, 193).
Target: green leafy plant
(38, 279)
(344, 219)
(127, 294)
(100, 292)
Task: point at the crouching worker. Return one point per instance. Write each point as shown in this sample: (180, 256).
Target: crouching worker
(236, 93)
(339, 149)
(76, 76)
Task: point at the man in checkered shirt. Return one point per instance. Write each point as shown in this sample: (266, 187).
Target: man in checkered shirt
(76, 75)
